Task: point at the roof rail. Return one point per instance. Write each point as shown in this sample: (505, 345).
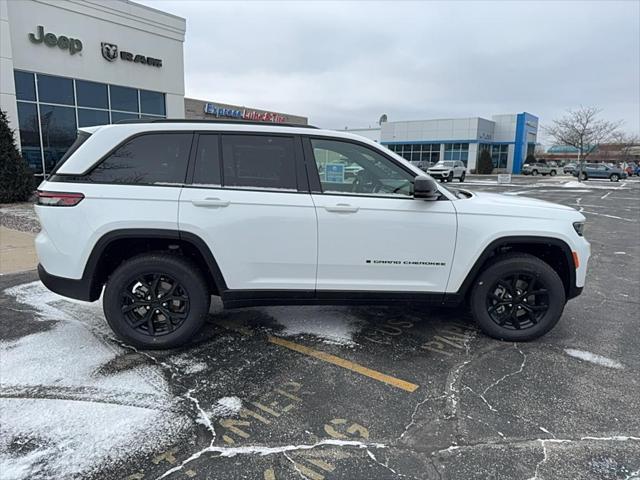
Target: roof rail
(198, 120)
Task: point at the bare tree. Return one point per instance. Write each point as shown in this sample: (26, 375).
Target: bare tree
(626, 143)
(582, 130)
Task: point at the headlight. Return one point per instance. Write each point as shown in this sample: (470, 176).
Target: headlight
(579, 228)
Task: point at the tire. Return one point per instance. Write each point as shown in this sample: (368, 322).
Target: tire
(168, 324)
(553, 173)
(464, 174)
(491, 302)
(614, 177)
(584, 176)
(450, 177)
(534, 172)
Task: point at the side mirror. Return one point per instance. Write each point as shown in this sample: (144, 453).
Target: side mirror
(426, 188)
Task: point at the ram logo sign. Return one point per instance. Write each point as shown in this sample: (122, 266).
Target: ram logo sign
(109, 51)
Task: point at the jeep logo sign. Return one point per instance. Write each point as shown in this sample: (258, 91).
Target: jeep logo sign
(74, 45)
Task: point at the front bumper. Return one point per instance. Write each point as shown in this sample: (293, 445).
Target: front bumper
(440, 174)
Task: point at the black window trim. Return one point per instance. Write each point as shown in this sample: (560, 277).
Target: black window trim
(314, 175)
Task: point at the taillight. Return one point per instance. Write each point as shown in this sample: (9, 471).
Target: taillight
(59, 199)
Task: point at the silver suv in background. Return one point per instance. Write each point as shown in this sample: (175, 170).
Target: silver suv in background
(539, 169)
(447, 170)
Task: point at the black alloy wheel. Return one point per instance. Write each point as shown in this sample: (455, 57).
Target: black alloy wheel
(154, 304)
(156, 300)
(583, 176)
(517, 297)
(517, 301)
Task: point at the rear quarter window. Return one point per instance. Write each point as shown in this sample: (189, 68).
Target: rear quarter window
(149, 159)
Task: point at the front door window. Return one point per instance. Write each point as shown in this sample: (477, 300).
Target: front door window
(348, 168)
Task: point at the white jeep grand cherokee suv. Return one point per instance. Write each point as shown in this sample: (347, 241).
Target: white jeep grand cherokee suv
(161, 215)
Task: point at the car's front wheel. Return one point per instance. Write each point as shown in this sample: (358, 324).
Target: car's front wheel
(450, 177)
(614, 177)
(583, 176)
(552, 173)
(534, 172)
(517, 298)
(462, 177)
(156, 301)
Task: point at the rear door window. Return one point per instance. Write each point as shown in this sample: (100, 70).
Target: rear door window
(149, 159)
(259, 161)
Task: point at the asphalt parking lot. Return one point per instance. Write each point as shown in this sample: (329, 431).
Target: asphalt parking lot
(337, 392)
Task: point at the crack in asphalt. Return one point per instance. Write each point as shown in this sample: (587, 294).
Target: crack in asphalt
(504, 377)
(264, 451)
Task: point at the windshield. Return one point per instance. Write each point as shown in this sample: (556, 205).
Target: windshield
(444, 164)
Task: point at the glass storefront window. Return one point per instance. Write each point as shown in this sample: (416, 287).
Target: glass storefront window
(55, 90)
(152, 102)
(48, 127)
(499, 155)
(30, 135)
(92, 94)
(123, 98)
(25, 86)
(91, 118)
(117, 116)
(58, 126)
(457, 151)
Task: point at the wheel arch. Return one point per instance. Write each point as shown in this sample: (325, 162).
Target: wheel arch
(117, 246)
(554, 251)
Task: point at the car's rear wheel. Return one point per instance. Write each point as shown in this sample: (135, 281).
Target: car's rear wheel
(614, 177)
(534, 172)
(552, 173)
(156, 301)
(517, 298)
(584, 176)
(462, 177)
(450, 177)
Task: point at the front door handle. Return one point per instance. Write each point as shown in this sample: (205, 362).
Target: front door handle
(341, 208)
(211, 202)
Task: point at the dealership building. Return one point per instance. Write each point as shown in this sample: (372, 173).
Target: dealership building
(508, 138)
(76, 63)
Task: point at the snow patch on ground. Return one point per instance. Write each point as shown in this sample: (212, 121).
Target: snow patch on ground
(333, 325)
(226, 407)
(582, 185)
(72, 403)
(593, 358)
(619, 253)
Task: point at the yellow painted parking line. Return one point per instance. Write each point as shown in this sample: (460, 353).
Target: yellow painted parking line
(327, 357)
(341, 362)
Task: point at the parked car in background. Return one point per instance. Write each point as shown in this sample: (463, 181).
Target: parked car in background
(447, 170)
(632, 169)
(599, 170)
(569, 168)
(539, 169)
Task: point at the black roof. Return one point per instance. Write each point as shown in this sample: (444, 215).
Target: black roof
(218, 121)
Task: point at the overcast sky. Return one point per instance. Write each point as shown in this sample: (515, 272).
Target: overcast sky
(345, 63)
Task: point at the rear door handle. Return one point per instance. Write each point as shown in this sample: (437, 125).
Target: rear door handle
(341, 208)
(211, 202)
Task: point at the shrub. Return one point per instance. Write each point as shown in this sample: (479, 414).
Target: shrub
(530, 159)
(16, 180)
(485, 165)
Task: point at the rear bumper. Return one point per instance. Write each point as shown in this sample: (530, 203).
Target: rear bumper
(67, 287)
